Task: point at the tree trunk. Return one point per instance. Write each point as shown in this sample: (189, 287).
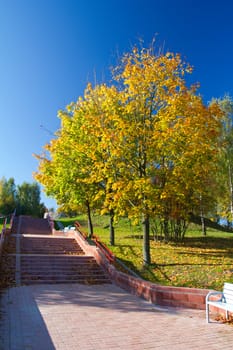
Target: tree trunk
(111, 228)
(89, 221)
(203, 225)
(146, 240)
(166, 229)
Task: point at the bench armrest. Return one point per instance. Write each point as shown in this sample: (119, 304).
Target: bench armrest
(210, 294)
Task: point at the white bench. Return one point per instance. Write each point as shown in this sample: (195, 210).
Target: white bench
(225, 300)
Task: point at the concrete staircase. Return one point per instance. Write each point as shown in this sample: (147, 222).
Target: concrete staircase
(57, 260)
(44, 258)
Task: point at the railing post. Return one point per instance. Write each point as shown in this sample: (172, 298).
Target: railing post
(2, 236)
(4, 230)
(12, 218)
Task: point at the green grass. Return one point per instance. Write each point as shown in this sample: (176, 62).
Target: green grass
(200, 262)
(2, 223)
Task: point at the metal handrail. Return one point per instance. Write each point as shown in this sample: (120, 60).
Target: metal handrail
(4, 228)
(12, 218)
(104, 249)
(2, 235)
(82, 233)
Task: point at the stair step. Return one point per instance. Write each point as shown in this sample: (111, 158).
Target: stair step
(50, 245)
(57, 258)
(42, 252)
(64, 281)
(30, 225)
(70, 269)
(58, 266)
(57, 274)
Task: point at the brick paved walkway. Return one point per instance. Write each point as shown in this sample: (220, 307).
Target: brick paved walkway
(75, 316)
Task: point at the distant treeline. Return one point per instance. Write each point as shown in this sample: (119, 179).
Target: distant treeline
(25, 198)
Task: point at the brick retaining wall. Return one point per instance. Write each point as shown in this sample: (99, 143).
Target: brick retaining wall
(192, 298)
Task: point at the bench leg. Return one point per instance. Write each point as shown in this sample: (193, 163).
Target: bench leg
(227, 314)
(207, 313)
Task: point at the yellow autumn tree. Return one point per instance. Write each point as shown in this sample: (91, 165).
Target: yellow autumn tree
(168, 141)
(144, 148)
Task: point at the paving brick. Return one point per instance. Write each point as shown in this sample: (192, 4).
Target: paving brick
(101, 317)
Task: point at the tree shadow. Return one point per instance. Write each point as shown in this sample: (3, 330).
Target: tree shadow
(158, 268)
(207, 242)
(106, 296)
(131, 249)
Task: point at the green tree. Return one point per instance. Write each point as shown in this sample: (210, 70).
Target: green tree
(225, 173)
(101, 108)
(64, 167)
(7, 195)
(28, 200)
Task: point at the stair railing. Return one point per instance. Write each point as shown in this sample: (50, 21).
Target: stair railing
(112, 258)
(2, 234)
(82, 233)
(12, 218)
(5, 230)
(104, 249)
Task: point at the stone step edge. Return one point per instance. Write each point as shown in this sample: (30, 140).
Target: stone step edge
(66, 282)
(54, 255)
(35, 236)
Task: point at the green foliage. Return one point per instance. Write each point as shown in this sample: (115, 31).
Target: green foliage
(28, 200)
(25, 198)
(225, 174)
(7, 196)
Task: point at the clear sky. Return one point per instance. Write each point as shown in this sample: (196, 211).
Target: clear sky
(50, 49)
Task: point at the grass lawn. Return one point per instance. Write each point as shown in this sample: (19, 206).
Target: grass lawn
(201, 262)
(2, 223)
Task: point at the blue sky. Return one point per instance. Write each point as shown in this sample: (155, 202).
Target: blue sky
(50, 49)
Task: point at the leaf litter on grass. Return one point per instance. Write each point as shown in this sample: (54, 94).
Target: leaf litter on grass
(199, 261)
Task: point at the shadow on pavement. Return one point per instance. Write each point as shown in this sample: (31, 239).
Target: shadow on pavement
(107, 296)
(21, 323)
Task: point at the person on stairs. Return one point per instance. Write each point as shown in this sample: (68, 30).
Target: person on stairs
(46, 214)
